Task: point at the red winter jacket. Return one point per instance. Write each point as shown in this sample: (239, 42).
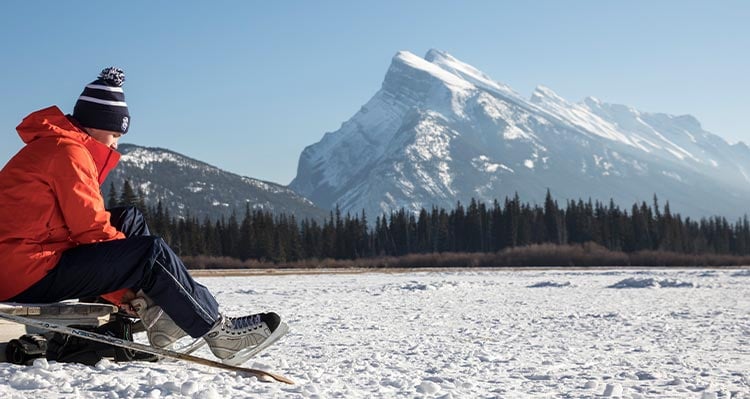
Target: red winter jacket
(50, 199)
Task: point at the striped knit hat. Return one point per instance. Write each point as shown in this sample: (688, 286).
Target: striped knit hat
(102, 103)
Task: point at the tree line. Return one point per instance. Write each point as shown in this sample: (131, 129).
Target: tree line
(473, 228)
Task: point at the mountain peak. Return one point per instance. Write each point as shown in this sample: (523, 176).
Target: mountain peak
(441, 131)
(592, 102)
(453, 65)
(435, 54)
(689, 122)
(543, 94)
(467, 72)
(408, 68)
(407, 57)
(742, 145)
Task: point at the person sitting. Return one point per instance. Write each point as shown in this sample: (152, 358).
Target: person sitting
(58, 242)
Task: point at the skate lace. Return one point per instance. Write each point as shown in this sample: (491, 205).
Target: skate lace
(245, 323)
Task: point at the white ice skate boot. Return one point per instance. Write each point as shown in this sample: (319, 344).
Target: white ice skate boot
(161, 330)
(234, 340)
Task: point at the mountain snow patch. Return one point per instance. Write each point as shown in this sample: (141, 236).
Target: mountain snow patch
(483, 163)
(602, 163)
(512, 132)
(145, 187)
(445, 176)
(196, 187)
(432, 141)
(141, 158)
(672, 175)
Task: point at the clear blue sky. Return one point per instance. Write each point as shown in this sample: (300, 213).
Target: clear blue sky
(247, 85)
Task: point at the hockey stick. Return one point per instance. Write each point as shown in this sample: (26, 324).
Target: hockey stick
(92, 336)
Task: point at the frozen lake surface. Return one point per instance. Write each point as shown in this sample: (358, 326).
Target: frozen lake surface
(514, 334)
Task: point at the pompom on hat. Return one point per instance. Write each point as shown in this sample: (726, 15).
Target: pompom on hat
(102, 105)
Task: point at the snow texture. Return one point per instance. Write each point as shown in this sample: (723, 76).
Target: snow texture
(544, 284)
(456, 335)
(633, 282)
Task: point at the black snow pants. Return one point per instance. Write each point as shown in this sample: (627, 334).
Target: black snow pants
(139, 262)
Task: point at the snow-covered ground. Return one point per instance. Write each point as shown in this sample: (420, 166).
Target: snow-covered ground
(514, 334)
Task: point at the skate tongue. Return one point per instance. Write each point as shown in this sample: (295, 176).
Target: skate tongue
(245, 321)
(271, 319)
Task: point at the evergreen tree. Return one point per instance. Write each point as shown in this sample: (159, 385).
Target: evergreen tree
(112, 201)
(231, 237)
(473, 228)
(128, 196)
(552, 220)
(141, 204)
(245, 245)
(280, 238)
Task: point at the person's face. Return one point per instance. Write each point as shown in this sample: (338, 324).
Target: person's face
(106, 137)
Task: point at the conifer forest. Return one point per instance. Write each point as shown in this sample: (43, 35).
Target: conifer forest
(468, 228)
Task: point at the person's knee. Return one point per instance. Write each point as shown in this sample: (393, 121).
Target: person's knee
(157, 256)
(164, 259)
(158, 243)
(162, 249)
(129, 220)
(132, 212)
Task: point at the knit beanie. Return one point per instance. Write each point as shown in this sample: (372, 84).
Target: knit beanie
(102, 103)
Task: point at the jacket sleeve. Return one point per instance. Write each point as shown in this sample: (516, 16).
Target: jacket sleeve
(76, 186)
(116, 297)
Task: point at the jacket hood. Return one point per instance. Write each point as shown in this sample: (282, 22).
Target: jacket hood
(51, 122)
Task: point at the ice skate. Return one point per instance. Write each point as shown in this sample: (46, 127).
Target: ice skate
(234, 340)
(161, 330)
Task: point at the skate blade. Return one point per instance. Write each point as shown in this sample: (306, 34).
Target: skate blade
(243, 355)
(185, 346)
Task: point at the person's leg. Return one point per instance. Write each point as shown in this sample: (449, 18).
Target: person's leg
(144, 263)
(129, 220)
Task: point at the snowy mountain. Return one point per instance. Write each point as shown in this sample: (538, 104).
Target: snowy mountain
(440, 131)
(185, 185)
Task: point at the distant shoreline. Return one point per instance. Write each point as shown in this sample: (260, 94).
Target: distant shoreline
(588, 256)
(313, 271)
